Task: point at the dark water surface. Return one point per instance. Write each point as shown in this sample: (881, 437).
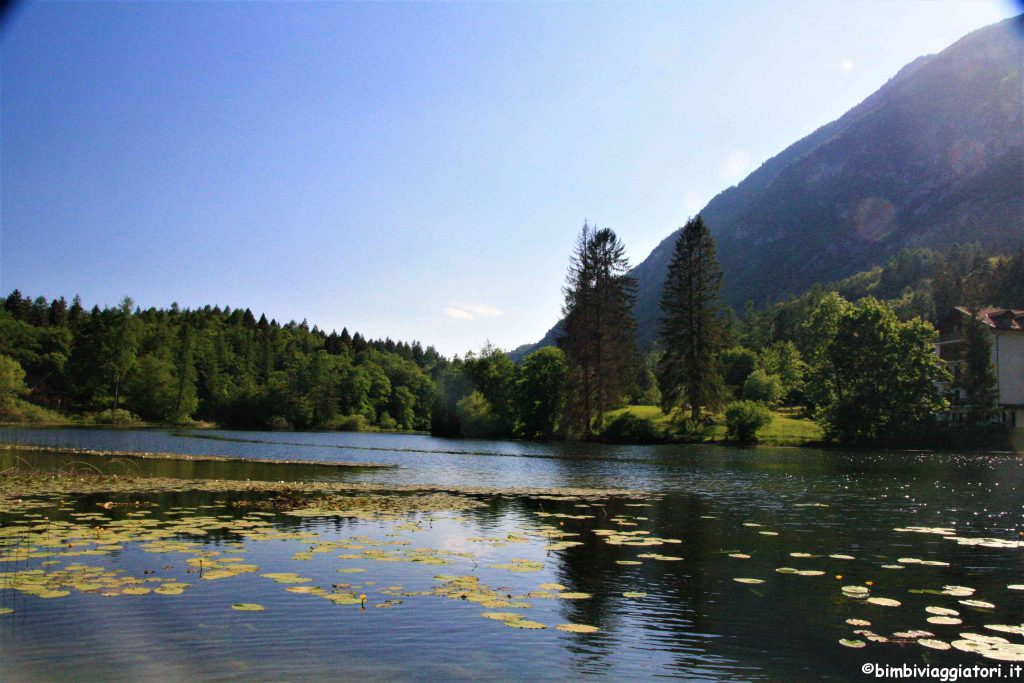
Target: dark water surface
(695, 622)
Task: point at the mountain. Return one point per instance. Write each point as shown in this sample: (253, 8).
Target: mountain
(934, 157)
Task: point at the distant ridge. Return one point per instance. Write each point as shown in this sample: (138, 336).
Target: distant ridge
(934, 157)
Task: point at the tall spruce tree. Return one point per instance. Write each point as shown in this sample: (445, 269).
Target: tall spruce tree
(692, 334)
(977, 378)
(599, 332)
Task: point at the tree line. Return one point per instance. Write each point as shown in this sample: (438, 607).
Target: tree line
(864, 367)
(856, 355)
(118, 364)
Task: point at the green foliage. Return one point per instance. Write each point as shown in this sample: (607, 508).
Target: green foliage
(692, 333)
(215, 365)
(783, 360)
(493, 374)
(763, 388)
(12, 379)
(351, 423)
(152, 390)
(737, 364)
(630, 428)
(916, 283)
(17, 410)
(540, 393)
(119, 417)
(743, 419)
(278, 423)
(451, 386)
(873, 377)
(975, 377)
(598, 331)
(477, 419)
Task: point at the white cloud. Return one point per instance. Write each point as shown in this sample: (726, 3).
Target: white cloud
(735, 166)
(692, 202)
(471, 311)
(458, 314)
(481, 309)
(846, 66)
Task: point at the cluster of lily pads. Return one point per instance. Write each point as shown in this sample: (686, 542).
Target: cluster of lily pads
(989, 646)
(55, 548)
(118, 522)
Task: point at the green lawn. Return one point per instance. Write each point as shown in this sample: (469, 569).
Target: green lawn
(786, 428)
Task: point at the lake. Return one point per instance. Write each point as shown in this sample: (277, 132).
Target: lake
(918, 550)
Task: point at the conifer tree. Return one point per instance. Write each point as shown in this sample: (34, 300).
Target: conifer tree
(598, 334)
(692, 335)
(977, 378)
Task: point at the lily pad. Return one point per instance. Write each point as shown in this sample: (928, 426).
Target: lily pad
(748, 581)
(934, 644)
(552, 587)
(634, 594)
(846, 642)
(501, 616)
(524, 623)
(1006, 628)
(945, 621)
(248, 607)
(577, 628)
(941, 611)
(884, 602)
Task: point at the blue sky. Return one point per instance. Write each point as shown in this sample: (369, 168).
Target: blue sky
(412, 170)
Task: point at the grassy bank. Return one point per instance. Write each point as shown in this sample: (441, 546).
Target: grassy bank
(785, 429)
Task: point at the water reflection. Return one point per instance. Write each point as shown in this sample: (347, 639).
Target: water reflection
(695, 622)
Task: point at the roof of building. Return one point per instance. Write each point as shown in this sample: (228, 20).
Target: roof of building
(998, 318)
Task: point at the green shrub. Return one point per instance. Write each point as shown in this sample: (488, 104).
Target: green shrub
(19, 410)
(763, 388)
(629, 428)
(351, 423)
(278, 423)
(114, 417)
(744, 418)
(690, 430)
(477, 417)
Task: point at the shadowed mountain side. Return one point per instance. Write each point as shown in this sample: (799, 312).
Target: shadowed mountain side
(934, 157)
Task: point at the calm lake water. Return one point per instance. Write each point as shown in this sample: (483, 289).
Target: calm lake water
(696, 622)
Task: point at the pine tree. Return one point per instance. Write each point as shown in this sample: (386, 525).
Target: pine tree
(598, 334)
(692, 334)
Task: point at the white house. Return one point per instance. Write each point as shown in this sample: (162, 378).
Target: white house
(1006, 326)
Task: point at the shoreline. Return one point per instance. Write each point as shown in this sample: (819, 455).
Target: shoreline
(150, 455)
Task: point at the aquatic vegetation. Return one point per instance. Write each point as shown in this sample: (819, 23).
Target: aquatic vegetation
(941, 611)
(980, 604)
(884, 602)
(60, 529)
(577, 628)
